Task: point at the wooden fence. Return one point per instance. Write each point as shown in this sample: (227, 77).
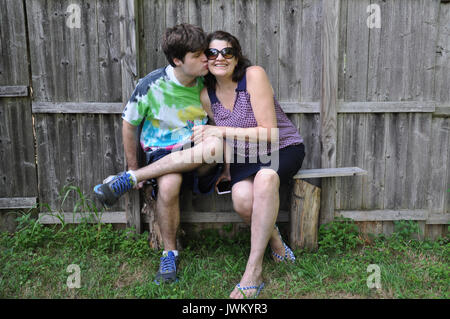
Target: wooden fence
(68, 66)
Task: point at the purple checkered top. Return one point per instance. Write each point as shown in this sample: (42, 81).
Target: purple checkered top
(242, 116)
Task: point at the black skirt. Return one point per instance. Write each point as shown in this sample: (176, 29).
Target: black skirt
(286, 162)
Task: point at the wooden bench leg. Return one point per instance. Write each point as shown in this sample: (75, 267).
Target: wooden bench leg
(149, 209)
(133, 210)
(304, 215)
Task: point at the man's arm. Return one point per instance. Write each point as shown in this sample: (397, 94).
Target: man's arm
(130, 144)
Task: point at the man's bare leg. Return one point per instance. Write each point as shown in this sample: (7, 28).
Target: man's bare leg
(168, 208)
(208, 151)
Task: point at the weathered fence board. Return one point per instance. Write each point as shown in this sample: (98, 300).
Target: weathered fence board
(311, 50)
(14, 61)
(72, 65)
(244, 25)
(17, 202)
(328, 103)
(442, 58)
(151, 26)
(290, 32)
(17, 157)
(13, 91)
(442, 93)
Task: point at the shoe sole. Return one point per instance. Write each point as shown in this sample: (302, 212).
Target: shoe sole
(101, 196)
(166, 281)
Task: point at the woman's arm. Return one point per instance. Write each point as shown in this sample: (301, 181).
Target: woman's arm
(261, 98)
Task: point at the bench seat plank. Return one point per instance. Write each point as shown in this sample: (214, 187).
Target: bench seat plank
(329, 172)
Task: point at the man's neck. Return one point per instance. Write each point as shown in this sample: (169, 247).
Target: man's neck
(184, 79)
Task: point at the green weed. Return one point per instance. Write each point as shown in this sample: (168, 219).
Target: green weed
(338, 236)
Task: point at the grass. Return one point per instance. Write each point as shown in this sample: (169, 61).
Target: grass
(119, 264)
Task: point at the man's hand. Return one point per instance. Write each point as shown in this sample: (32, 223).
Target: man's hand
(202, 132)
(139, 185)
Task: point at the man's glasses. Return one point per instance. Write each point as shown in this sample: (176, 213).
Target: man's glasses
(212, 54)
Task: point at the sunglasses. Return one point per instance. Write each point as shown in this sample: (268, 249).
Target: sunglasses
(227, 53)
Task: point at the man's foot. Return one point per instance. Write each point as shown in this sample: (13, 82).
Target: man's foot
(167, 269)
(113, 187)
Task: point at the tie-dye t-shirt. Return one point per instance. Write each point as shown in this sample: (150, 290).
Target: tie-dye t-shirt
(170, 110)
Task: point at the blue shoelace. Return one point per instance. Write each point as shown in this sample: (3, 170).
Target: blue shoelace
(167, 264)
(122, 184)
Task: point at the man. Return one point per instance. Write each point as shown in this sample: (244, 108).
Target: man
(167, 101)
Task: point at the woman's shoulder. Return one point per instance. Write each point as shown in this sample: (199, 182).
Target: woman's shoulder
(255, 71)
(257, 78)
(255, 74)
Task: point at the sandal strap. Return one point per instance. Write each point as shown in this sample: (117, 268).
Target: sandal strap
(260, 287)
(281, 258)
(247, 287)
(288, 253)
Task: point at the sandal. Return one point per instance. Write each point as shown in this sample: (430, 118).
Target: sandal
(242, 289)
(288, 253)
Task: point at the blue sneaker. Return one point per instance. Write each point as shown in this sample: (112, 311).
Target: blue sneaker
(167, 269)
(113, 187)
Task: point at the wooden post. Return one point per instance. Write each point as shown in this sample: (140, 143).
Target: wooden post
(328, 104)
(149, 210)
(304, 215)
(129, 75)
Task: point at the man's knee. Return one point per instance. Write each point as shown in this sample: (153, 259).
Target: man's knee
(169, 187)
(212, 149)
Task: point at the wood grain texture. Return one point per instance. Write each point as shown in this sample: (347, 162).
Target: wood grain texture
(328, 104)
(304, 216)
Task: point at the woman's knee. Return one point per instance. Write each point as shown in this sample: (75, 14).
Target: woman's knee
(169, 187)
(242, 197)
(266, 180)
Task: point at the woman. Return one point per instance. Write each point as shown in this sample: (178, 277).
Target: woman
(241, 101)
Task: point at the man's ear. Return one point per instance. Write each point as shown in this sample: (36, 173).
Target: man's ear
(177, 61)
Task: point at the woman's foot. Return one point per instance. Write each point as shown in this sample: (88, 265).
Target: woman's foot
(249, 286)
(276, 245)
(279, 250)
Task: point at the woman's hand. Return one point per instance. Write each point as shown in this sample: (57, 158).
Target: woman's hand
(226, 176)
(202, 132)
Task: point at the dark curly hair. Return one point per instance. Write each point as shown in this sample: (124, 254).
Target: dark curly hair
(243, 62)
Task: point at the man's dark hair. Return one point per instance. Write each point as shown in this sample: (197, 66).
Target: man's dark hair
(243, 62)
(181, 39)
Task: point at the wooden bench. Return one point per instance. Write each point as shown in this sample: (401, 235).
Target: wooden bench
(305, 204)
(303, 216)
